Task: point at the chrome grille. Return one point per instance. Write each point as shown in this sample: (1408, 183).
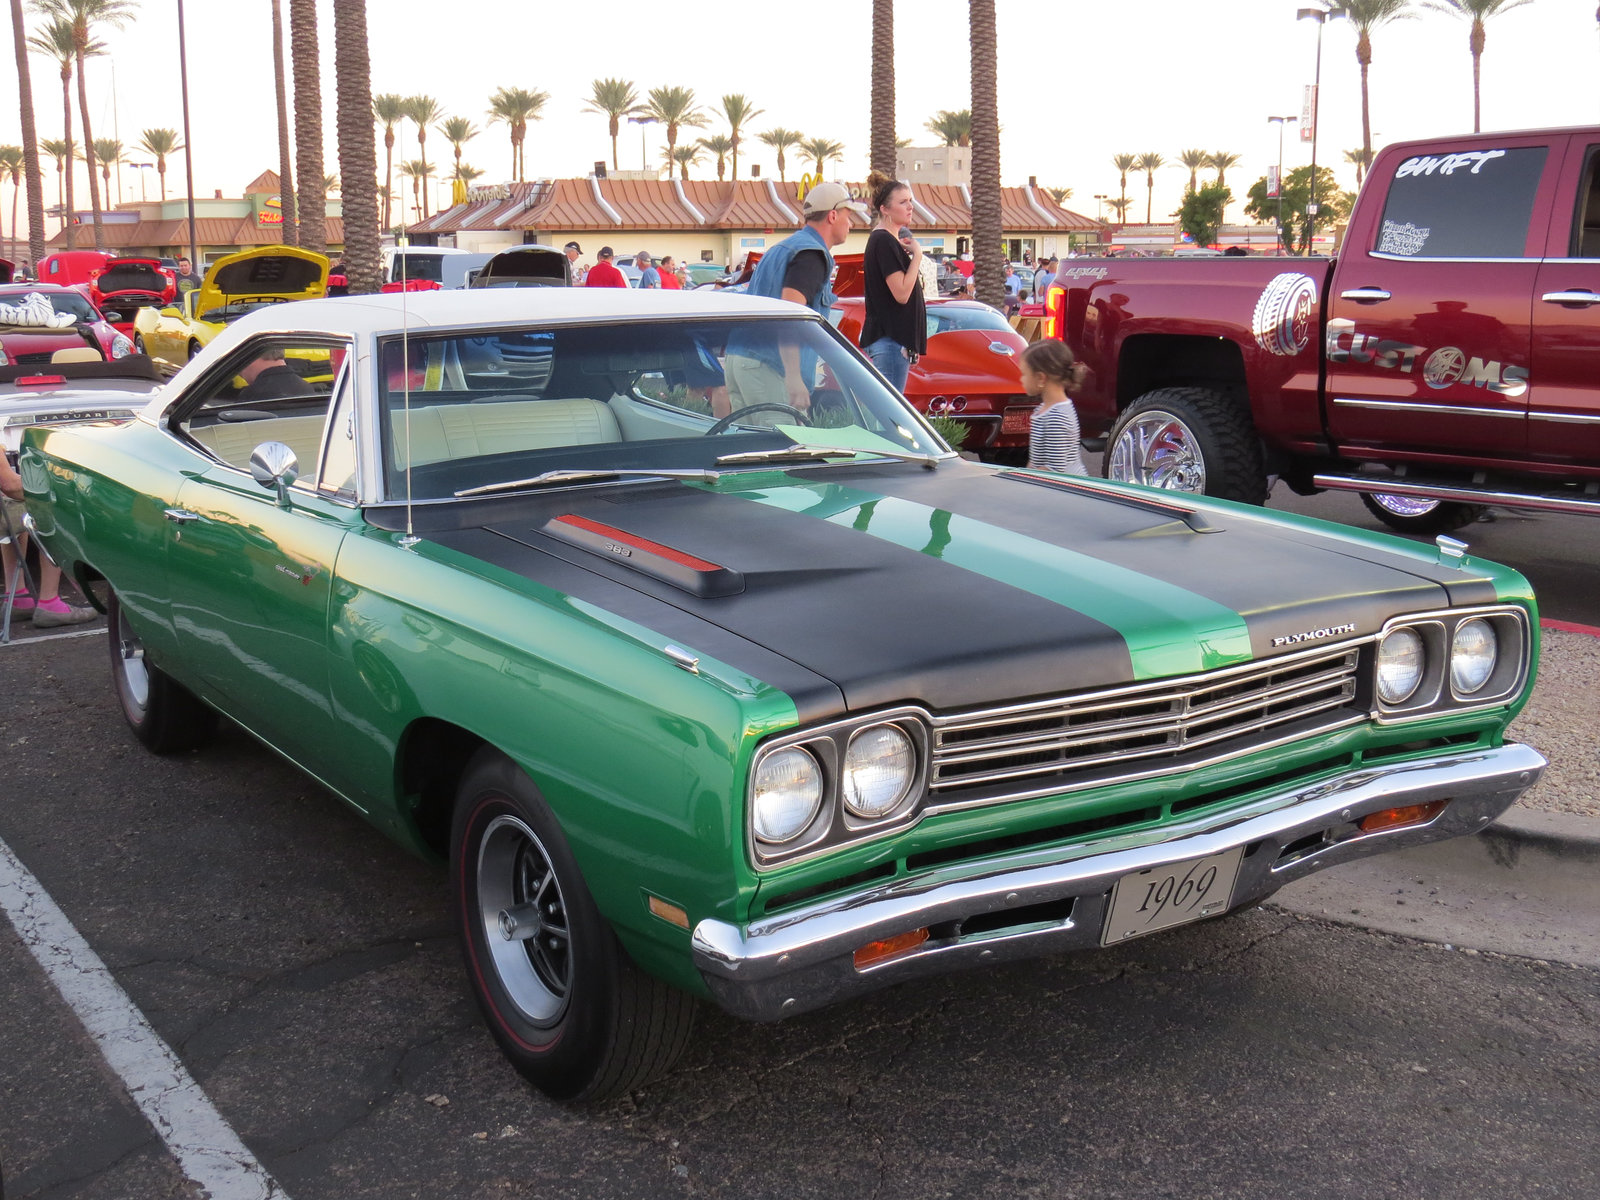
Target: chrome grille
(1145, 721)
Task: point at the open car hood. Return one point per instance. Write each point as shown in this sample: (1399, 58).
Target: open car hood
(525, 266)
(139, 276)
(265, 273)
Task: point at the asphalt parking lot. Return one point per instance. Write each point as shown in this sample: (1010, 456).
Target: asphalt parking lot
(300, 969)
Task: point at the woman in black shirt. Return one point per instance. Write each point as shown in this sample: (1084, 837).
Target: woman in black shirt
(895, 329)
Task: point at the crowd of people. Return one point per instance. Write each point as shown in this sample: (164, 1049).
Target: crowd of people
(664, 273)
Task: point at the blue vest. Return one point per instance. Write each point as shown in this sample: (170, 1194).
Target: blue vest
(768, 281)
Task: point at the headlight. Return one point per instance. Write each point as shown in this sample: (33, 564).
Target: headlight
(879, 768)
(786, 794)
(1400, 663)
(121, 347)
(1473, 652)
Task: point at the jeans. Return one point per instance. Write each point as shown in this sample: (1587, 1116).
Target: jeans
(890, 357)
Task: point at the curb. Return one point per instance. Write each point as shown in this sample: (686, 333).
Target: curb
(1569, 626)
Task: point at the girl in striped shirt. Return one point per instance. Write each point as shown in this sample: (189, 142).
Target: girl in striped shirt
(1048, 371)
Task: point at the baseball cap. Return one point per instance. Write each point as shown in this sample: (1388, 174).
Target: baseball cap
(826, 197)
(605, 251)
(573, 246)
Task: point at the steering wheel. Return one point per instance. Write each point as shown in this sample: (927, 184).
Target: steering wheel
(799, 417)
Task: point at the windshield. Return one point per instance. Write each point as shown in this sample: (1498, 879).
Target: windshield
(942, 318)
(463, 412)
(428, 267)
(62, 302)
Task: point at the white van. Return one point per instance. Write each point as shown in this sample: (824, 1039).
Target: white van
(443, 265)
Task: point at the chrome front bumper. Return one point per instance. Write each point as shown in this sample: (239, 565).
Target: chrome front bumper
(804, 959)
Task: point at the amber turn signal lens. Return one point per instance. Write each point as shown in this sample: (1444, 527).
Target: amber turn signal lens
(876, 952)
(670, 913)
(1398, 818)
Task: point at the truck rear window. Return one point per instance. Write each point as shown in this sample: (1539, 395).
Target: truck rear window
(1469, 204)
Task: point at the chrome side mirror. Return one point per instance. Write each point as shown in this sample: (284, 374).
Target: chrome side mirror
(273, 465)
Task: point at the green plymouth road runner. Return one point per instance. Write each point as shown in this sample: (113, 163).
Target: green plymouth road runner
(712, 672)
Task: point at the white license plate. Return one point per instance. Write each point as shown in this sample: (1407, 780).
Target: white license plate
(1169, 895)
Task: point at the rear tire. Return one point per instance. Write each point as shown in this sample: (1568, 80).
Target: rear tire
(558, 992)
(1188, 439)
(1410, 515)
(164, 715)
(194, 349)
(138, 344)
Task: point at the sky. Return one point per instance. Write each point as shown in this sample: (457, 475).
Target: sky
(1080, 81)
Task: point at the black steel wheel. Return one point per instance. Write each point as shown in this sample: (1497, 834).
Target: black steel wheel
(558, 992)
(1188, 439)
(163, 714)
(1410, 514)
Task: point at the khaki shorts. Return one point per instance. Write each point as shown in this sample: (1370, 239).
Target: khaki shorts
(12, 523)
(753, 382)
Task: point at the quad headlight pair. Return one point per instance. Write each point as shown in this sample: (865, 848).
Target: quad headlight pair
(1450, 659)
(835, 783)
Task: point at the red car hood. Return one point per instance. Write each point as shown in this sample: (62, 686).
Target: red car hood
(967, 359)
(132, 276)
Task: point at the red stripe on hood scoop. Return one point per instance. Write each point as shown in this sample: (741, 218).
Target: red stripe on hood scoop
(672, 566)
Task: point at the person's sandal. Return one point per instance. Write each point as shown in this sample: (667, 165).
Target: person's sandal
(22, 604)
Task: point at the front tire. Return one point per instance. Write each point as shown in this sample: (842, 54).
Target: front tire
(1408, 514)
(194, 349)
(1188, 439)
(163, 714)
(558, 992)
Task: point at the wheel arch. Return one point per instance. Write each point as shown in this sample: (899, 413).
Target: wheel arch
(430, 760)
(1148, 361)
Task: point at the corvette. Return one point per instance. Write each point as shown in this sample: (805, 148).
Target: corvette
(234, 285)
(673, 696)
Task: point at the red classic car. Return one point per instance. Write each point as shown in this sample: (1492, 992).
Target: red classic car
(32, 344)
(125, 285)
(972, 372)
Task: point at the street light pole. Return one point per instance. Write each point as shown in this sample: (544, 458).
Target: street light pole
(188, 159)
(1280, 122)
(142, 168)
(641, 122)
(1321, 16)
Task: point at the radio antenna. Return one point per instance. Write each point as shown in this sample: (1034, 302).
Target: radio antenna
(402, 243)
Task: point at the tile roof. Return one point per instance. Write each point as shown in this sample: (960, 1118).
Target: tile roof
(208, 231)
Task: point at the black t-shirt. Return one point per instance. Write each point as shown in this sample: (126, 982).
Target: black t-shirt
(807, 272)
(886, 317)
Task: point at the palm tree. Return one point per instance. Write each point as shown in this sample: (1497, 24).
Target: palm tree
(82, 16)
(418, 172)
(821, 150)
(683, 157)
(516, 107)
(738, 110)
(330, 183)
(1059, 194)
(1476, 11)
(1120, 207)
(458, 131)
(882, 151)
(721, 146)
(1194, 160)
(1124, 163)
(1221, 160)
(55, 40)
(358, 154)
(30, 138)
(466, 172)
(11, 167)
(160, 142)
(988, 228)
(423, 111)
(781, 139)
(288, 228)
(59, 149)
(1361, 157)
(952, 128)
(1365, 16)
(109, 153)
(615, 99)
(674, 107)
(312, 202)
(389, 109)
(1148, 162)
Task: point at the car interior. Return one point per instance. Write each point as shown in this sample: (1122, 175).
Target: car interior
(1586, 234)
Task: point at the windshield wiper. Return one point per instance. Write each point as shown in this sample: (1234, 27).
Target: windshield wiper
(575, 476)
(801, 452)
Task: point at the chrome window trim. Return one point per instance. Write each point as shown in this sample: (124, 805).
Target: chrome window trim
(1565, 418)
(1424, 406)
(1422, 258)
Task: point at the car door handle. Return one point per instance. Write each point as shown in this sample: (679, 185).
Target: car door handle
(1581, 297)
(1365, 295)
(181, 516)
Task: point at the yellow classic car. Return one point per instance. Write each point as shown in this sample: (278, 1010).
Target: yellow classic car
(235, 285)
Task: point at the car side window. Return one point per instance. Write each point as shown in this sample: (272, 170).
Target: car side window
(338, 473)
(1586, 219)
(273, 389)
(1473, 203)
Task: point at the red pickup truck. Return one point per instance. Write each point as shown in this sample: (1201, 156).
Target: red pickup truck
(1447, 359)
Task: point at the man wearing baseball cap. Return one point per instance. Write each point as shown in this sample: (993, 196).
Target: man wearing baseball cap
(798, 269)
(604, 273)
(572, 250)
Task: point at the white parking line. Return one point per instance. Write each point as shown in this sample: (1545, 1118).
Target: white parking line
(205, 1146)
(53, 637)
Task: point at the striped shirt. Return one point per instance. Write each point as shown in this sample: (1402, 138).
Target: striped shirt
(1053, 439)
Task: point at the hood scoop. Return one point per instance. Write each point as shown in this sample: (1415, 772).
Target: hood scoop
(686, 571)
(1194, 519)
